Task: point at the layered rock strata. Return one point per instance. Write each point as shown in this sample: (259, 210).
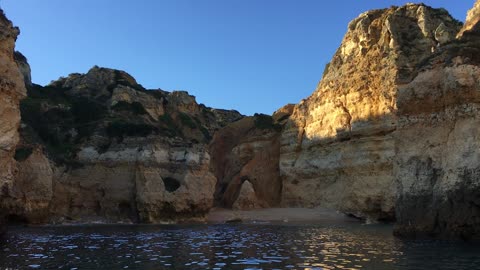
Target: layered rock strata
(246, 153)
(338, 147)
(100, 147)
(437, 160)
(389, 133)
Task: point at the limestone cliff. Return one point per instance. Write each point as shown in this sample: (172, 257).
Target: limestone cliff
(391, 132)
(100, 147)
(437, 159)
(337, 149)
(12, 89)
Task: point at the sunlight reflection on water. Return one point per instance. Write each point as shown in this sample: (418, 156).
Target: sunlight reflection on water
(228, 247)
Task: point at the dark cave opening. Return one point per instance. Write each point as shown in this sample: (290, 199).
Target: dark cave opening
(171, 184)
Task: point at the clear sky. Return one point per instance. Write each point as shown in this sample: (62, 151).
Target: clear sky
(248, 55)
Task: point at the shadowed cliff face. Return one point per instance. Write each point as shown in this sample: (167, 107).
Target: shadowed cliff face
(245, 158)
(437, 158)
(12, 89)
(338, 148)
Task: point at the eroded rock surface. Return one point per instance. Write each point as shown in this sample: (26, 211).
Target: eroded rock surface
(247, 198)
(338, 148)
(471, 25)
(391, 132)
(437, 161)
(12, 90)
(247, 150)
(100, 147)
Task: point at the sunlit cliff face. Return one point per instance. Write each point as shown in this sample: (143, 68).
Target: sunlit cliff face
(357, 94)
(338, 148)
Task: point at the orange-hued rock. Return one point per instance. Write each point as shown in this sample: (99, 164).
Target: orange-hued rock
(437, 159)
(32, 190)
(247, 150)
(282, 114)
(390, 133)
(472, 23)
(337, 148)
(247, 198)
(12, 90)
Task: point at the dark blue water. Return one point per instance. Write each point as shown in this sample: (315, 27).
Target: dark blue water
(350, 246)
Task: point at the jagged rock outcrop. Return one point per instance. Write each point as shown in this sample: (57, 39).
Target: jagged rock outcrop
(281, 115)
(338, 146)
(437, 160)
(100, 147)
(472, 23)
(12, 90)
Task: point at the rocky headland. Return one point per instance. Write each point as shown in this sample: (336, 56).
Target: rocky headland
(100, 147)
(389, 135)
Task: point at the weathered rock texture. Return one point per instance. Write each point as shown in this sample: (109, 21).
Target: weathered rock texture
(247, 198)
(247, 150)
(472, 23)
(437, 162)
(100, 147)
(391, 132)
(338, 146)
(12, 89)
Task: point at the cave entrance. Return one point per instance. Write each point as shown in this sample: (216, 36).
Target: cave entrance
(16, 220)
(171, 184)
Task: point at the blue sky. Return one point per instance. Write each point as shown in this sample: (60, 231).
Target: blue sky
(248, 55)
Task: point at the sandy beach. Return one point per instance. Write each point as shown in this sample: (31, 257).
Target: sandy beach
(275, 215)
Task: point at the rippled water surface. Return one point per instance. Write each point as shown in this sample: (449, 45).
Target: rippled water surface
(350, 246)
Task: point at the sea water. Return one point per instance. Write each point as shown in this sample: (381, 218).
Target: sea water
(235, 246)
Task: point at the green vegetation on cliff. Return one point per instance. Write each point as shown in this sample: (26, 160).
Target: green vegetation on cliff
(263, 121)
(103, 108)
